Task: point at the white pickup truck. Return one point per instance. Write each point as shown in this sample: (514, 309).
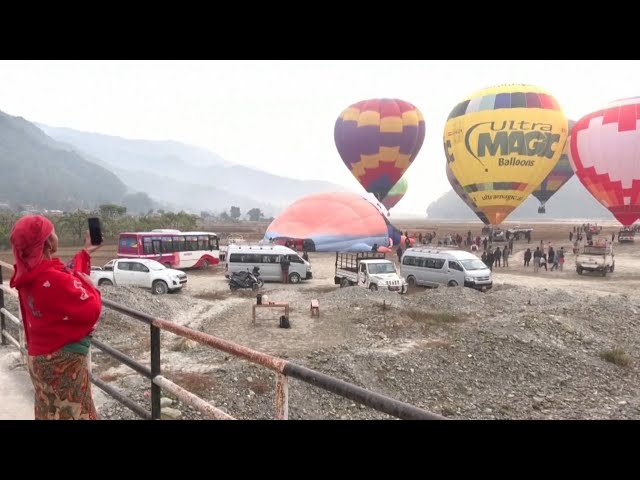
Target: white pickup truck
(596, 258)
(626, 236)
(369, 270)
(139, 272)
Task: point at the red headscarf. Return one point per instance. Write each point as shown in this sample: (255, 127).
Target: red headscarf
(27, 239)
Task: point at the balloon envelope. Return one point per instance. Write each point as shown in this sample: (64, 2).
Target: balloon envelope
(561, 174)
(395, 194)
(378, 140)
(465, 198)
(331, 222)
(605, 154)
(501, 142)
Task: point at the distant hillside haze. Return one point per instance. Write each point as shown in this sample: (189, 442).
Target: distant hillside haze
(37, 170)
(191, 197)
(571, 201)
(120, 152)
(189, 177)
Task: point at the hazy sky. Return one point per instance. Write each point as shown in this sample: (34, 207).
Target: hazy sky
(279, 115)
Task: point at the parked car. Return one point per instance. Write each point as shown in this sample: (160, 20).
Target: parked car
(139, 272)
(433, 267)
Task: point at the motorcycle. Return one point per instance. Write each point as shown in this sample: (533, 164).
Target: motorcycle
(246, 279)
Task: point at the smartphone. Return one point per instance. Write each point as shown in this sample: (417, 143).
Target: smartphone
(95, 230)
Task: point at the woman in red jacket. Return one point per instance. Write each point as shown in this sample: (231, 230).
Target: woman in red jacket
(60, 308)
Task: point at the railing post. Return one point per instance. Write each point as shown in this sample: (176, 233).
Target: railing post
(2, 319)
(155, 371)
(282, 397)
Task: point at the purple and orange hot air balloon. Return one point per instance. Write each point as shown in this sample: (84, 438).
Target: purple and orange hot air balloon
(559, 176)
(378, 140)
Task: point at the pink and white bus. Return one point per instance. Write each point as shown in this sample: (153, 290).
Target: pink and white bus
(173, 248)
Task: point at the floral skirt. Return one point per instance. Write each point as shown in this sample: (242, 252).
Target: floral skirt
(62, 386)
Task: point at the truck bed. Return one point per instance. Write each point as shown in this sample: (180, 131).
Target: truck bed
(349, 261)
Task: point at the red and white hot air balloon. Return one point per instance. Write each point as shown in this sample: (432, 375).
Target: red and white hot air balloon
(605, 154)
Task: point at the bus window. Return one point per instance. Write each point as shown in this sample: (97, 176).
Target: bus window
(192, 244)
(167, 245)
(179, 244)
(147, 247)
(156, 245)
(213, 243)
(203, 242)
(128, 245)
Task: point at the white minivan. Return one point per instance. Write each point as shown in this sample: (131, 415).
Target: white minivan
(433, 267)
(267, 258)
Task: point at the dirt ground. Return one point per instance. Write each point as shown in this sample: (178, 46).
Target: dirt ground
(539, 345)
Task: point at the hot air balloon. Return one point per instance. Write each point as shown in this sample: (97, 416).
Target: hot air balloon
(465, 198)
(561, 174)
(605, 154)
(378, 140)
(501, 142)
(395, 194)
(331, 222)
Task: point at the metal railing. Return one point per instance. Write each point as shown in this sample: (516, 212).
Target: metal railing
(283, 370)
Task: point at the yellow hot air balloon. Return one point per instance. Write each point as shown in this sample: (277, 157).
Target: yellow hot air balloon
(501, 143)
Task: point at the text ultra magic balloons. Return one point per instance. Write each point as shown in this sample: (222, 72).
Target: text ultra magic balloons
(395, 194)
(605, 153)
(501, 142)
(378, 140)
(561, 174)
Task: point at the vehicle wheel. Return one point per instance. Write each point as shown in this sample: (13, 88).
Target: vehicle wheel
(452, 283)
(260, 283)
(294, 278)
(233, 288)
(613, 266)
(106, 282)
(167, 264)
(579, 270)
(344, 283)
(205, 265)
(373, 287)
(411, 281)
(604, 272)
(255, 287)
(159, 287)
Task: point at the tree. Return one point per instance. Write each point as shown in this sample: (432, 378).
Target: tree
(74, 223)
(224, 216)
(255, 214)
(235, 213)
(111, 211)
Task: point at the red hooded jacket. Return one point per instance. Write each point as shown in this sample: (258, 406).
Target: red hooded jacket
(58, 306)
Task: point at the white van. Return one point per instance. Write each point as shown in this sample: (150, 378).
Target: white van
(267, 258)
(434, 267)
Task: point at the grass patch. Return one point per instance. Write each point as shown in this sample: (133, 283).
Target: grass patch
(322, 289)
(213, 295)
(183, 345)
(617, 356)
(197, 383)
(432, 318)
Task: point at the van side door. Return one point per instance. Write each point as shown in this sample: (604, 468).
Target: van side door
(456, 272)
(436, 270)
